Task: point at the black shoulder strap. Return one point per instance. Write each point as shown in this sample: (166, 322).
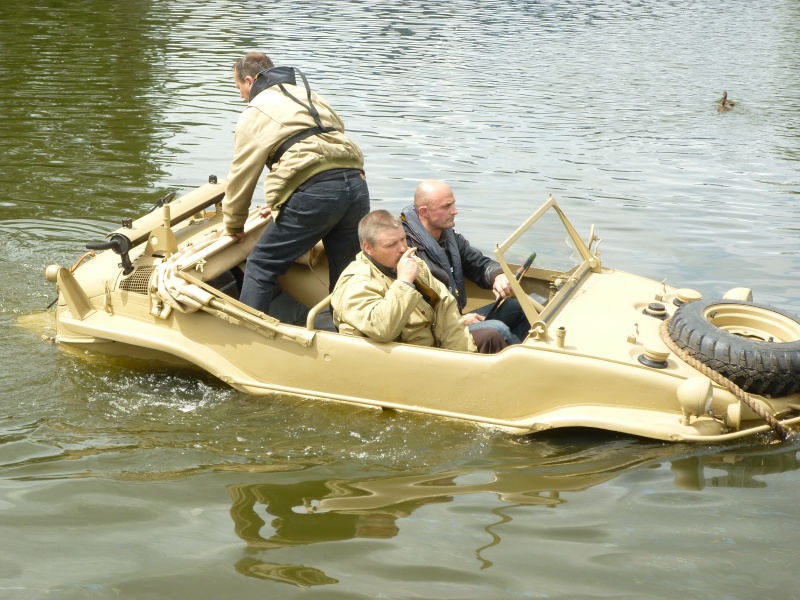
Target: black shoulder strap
(306, 133)
(310, 106)
(287, 143)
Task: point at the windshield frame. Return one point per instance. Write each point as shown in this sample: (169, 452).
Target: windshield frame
(538, 314)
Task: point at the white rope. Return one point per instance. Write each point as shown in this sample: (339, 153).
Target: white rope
(172, 292)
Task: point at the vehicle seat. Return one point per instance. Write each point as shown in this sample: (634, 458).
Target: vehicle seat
(313, 256)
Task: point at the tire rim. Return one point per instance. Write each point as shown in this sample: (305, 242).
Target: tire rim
(753, 322)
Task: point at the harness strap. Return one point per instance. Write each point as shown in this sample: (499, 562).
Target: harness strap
(310, 106)
(290, 141)
(428, 294)
(278, 76)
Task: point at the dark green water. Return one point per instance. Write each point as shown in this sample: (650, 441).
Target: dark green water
(133, 480)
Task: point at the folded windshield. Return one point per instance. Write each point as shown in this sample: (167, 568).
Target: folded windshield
(559, 256)
(548, 238)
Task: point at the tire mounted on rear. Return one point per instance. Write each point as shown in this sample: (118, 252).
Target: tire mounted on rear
(738, 340)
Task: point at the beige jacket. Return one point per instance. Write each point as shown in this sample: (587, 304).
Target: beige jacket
(268, 120)
(368, 303)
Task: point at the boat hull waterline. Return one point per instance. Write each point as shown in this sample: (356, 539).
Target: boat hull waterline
(594, 358)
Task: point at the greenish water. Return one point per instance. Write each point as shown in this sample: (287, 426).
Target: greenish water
(132, 479)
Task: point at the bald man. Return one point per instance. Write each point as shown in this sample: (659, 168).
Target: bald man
(429, 226)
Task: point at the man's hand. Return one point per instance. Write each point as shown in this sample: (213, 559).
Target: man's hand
(501, 287)
(407, 268)
(238, 236)
(263, 212)
(471, 318)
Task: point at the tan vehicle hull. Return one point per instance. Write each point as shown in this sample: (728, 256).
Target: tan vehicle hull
(580, 366)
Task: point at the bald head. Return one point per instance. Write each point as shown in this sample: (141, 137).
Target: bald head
(436, 206)
(428, 190)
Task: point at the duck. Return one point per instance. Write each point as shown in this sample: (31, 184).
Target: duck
(725, 104)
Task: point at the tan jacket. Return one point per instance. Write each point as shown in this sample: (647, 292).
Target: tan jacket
(368, 303)
(268, 120)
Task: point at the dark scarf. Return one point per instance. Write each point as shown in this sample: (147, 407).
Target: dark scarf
(389, 272)
(438, 255)
(428, 294)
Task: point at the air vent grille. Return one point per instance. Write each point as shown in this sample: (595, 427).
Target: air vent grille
(138, 281)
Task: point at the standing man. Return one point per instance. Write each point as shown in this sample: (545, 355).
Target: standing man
(315, 188)
(429, 227)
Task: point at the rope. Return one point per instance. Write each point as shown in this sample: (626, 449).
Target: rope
(80, 260)
(720, 379)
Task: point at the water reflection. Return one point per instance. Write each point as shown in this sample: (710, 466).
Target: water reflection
(335, 510)
(733, 469)
(298, 520)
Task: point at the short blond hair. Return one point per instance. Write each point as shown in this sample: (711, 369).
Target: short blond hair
(374, 223)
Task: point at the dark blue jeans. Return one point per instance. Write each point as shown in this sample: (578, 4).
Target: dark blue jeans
(509, 320)
(327, 211)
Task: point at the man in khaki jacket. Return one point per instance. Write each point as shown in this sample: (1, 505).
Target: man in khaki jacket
(315, 188)
(387, 294)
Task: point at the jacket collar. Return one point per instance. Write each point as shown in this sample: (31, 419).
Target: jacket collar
(384, 270)
(420, 235)
(450, 266)
(428, 293)
(269, 77)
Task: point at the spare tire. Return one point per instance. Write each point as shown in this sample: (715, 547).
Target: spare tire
(757, 347)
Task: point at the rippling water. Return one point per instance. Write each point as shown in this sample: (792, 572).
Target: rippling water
(133, 479)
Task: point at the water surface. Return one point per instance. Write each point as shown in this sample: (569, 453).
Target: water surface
(132, 479)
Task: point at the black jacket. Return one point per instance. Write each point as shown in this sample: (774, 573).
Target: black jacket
(454, 262)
